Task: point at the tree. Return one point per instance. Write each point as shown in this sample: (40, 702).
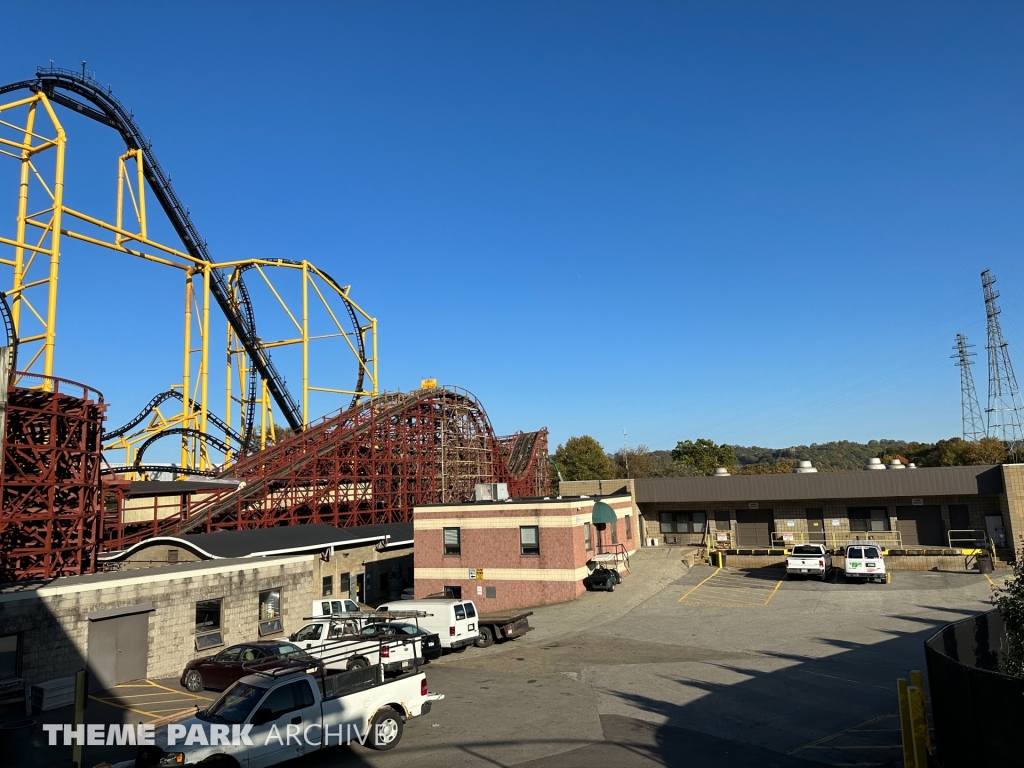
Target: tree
(1010, 602)
(957, 452)
(777, 467)
(703, 456)
(639, 461)
(583, 458)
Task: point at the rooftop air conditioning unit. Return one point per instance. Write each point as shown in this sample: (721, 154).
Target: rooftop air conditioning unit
(491, 492)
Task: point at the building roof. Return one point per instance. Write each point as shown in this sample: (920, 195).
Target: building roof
(177, 487)
(867, 484)
(284, 540)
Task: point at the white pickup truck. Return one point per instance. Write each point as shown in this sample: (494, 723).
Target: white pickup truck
(265, 719)
(339, 645)
(809, 560)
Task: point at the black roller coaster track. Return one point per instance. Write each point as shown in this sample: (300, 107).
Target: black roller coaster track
(171, 394)
(153, 468)
(109, 111)
(12, 337)
(218, 444)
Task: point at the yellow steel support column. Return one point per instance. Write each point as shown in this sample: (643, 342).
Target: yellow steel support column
(142, 193)
(264, 422)
(186, 370)
(55, 231)
(227, 402)
(19, 252)
(305, 343)
(205, 369)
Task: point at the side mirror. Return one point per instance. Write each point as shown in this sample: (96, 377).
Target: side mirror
(263, 715)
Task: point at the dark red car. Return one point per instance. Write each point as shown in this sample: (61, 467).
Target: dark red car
(220, 671)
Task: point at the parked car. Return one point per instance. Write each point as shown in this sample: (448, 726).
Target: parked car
(321, 708)
(339, 644)
(809, 560)
(430, 643)
(220, 671)
(864, 562)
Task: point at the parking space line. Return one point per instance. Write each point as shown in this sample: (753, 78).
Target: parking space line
(840, 733)
(779, 584)
(716, 572)
(990, 580)
(180, 693)
(110, 703)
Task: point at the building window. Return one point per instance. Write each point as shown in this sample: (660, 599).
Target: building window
(615, 532)
(587, 544)
(270, 612)
(868, 519)
(682, 522)
(10, 656)
(344, 584)
(490, 592)
(629, 527)
(328, 586)
(208, 629)
(722, 520)
(172, 555)
(529, 540)
(452, 541)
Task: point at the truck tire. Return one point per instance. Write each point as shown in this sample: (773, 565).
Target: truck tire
(386, 729)
(194, 681)
(486, 639)
(359, 663)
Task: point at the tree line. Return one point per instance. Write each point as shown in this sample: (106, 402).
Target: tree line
(583, 458)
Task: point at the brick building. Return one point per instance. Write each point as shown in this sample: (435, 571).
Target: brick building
(909, 509)
(520, 552)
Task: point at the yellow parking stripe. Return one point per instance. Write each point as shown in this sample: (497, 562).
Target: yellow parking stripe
(181, 693)
(990, 580)
(773, 592)
(122, 706)
(840, 733)
(716, 572)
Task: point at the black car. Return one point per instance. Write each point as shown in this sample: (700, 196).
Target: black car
(220, 671)
(430, 643)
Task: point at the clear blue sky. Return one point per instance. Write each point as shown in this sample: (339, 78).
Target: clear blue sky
(758, 223)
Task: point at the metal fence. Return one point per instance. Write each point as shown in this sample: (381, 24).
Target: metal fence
(977, 709)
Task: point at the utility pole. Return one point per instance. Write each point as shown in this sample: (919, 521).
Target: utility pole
(1004, 402)
(973, 421)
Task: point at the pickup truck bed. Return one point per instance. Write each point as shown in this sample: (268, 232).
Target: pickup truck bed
(502, 626)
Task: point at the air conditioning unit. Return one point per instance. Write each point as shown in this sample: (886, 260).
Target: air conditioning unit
(670, 539)
(490, 492)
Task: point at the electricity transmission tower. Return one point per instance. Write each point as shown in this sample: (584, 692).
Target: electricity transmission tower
(974, 422)
(1004, 403)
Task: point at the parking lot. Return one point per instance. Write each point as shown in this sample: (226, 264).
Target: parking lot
(739, 667)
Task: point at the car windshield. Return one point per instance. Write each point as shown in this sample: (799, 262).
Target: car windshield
(234, 705)
(284, 650)
(806, 550)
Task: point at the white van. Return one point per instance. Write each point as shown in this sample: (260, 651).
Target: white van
(455, 622)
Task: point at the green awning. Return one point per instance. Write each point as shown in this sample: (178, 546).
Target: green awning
(603, 513)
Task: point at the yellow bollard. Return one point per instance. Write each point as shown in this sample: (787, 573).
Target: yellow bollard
(906, 727)
(920, 725)
(917, 680)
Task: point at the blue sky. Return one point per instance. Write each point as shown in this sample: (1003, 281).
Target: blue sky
(758, 223)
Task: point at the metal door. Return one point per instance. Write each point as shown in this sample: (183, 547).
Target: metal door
(815, 526)
(920, 526)
(118, 650)
(754, 527)
(996, 530)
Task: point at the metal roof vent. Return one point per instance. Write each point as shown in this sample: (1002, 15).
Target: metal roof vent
(721, 472)
(803, 468)
(911, 465)
(874, 463)
(895, 464)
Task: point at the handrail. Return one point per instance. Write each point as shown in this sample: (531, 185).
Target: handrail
(616, 549)
(87, 391)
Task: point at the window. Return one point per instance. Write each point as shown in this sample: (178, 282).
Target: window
(455, 593)
(208, 634)
(10, 656)
(529, 541)
(344, 583)
(288, 698)
(629, 527)
(615, 532)
(491, 592)
(470, 611)
(868, 519)
(682, 522)
(460, 613)
(230, 654)
(270, 612)
(452, 541)
(309, 632)
(172, 555)
(587, 545)
(722, 520)
(328, 585)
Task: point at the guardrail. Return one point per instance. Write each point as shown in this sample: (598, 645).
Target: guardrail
(837, 540)
(972, 541)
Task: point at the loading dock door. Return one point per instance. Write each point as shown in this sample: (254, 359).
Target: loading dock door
(118, 650)
(815, 526)
(754, 527)
(920, 526)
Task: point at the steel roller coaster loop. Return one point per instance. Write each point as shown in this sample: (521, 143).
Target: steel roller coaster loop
(260, 382)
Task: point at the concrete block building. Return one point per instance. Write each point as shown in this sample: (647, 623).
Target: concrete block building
(520, 552)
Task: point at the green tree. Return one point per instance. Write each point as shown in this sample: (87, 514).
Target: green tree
(635, 462)
(703, 455)
(777, 467)
(583, 458)
(1010, 602)
(957, 452)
